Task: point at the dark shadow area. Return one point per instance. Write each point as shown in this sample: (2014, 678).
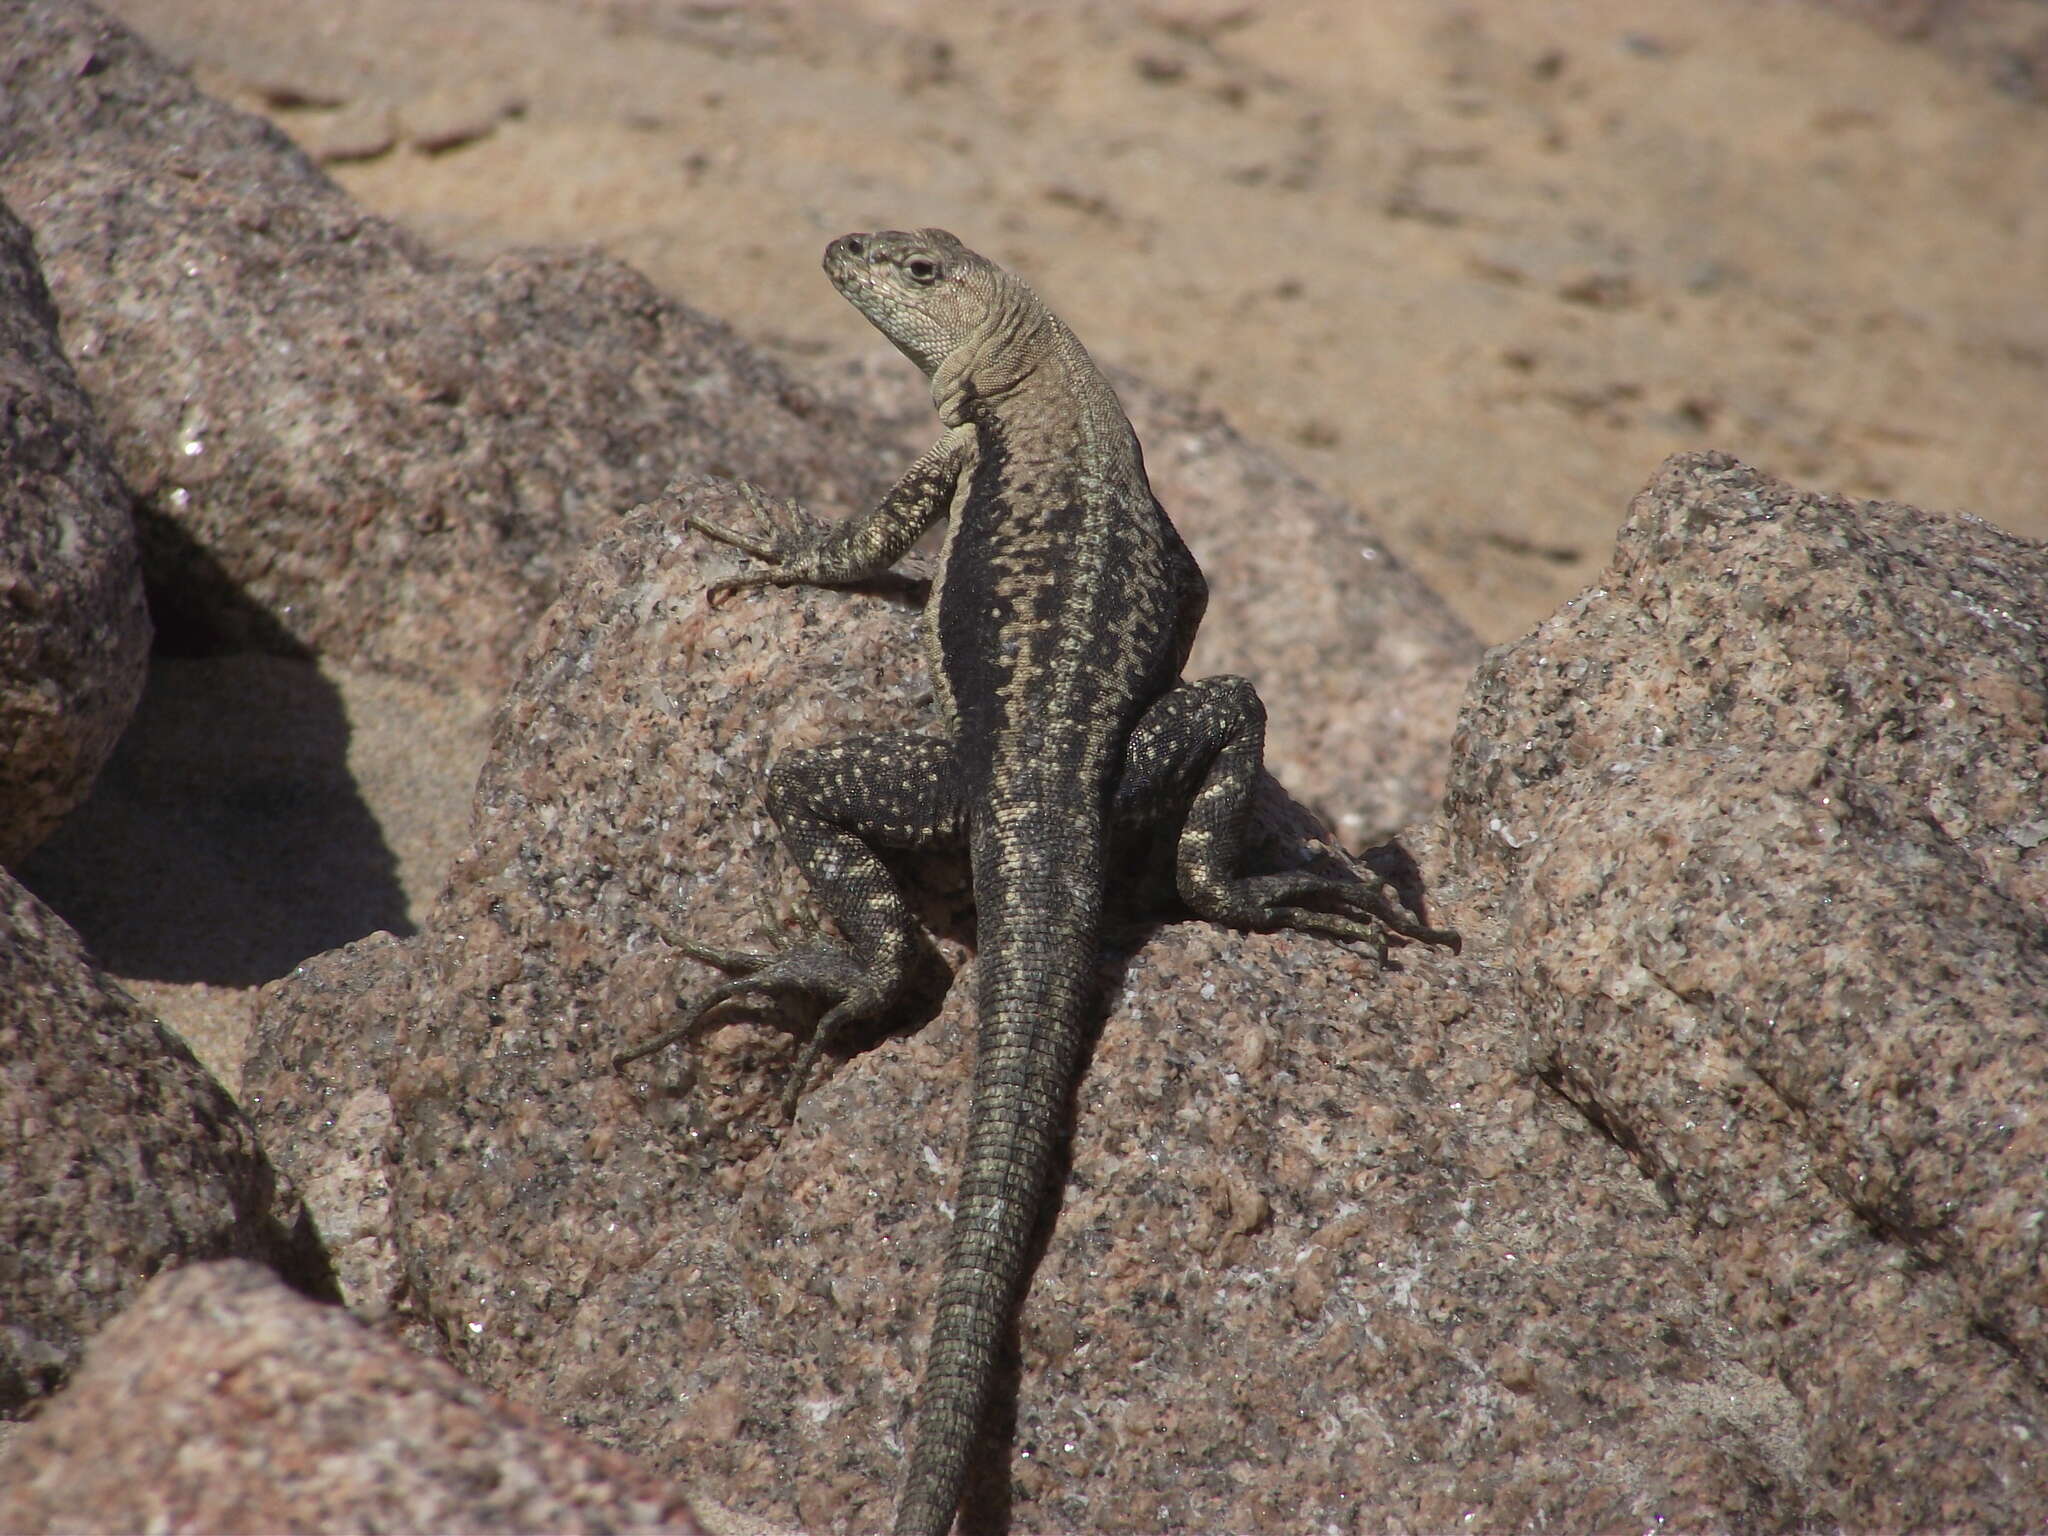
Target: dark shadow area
(226, 840)
(197, 608)
(1284, 836)
(1394, 864)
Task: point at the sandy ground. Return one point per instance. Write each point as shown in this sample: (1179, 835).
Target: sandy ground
(1478, 268)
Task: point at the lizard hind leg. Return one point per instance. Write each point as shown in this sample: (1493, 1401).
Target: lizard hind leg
(837, 807)
(1192, 766)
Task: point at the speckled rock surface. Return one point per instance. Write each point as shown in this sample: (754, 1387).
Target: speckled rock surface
(244, 1407)
(330, 1093)
(339, 441)
(119, 1156)
(1332, 1252)
(74, 636)
(345, 443)
(1766, 817)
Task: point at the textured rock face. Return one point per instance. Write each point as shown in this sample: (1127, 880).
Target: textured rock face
(339, 441)
(345, 444)
(1766, 818)
(339, 1099)
(119, 1156)
(244, 1407)
(74, 636)
(1538, 1234)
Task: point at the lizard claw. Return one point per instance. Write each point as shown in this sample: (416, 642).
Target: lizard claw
(1348, 910)
(824, 969)
(785, 541)
(759, 549)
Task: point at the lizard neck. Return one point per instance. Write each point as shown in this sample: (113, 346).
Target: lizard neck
(1023, 352)
(1049, 403)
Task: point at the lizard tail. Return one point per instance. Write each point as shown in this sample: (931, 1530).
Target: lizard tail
(1034, 1007)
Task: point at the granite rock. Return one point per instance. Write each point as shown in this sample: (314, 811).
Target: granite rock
(1336, 1248)
(345, 443)
(332, 1095)
(74, 635)
(1704, 1190)
(1763, 815)
(341, 442)
(119, 1157)
(245, 1407)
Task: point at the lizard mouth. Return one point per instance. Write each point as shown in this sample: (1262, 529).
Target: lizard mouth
(854, 264)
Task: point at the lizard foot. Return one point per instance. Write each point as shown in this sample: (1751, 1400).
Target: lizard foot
(1350, 911)
(787, 540)
(825, 969)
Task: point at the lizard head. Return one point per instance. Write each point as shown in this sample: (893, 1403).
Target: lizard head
(962, 319)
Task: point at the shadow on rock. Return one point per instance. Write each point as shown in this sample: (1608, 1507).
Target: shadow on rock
(226, 840)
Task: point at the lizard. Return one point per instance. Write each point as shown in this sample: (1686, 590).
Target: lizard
(1057, 629)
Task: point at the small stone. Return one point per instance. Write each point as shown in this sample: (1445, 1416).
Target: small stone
(360, 131)
(455, 115)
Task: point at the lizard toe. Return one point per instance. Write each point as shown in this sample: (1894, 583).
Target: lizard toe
(1351, 911)
(1332, 925)
(825, 969)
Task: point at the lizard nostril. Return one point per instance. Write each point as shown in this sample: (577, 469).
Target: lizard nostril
(854, 245)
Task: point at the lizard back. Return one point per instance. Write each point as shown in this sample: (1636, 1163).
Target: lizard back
(1061, 605)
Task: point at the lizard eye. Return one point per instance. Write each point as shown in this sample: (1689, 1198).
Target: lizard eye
(922, 269)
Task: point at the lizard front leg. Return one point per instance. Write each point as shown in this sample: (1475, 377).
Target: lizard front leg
(855, 548)
(1197, 754)
(835, 807)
